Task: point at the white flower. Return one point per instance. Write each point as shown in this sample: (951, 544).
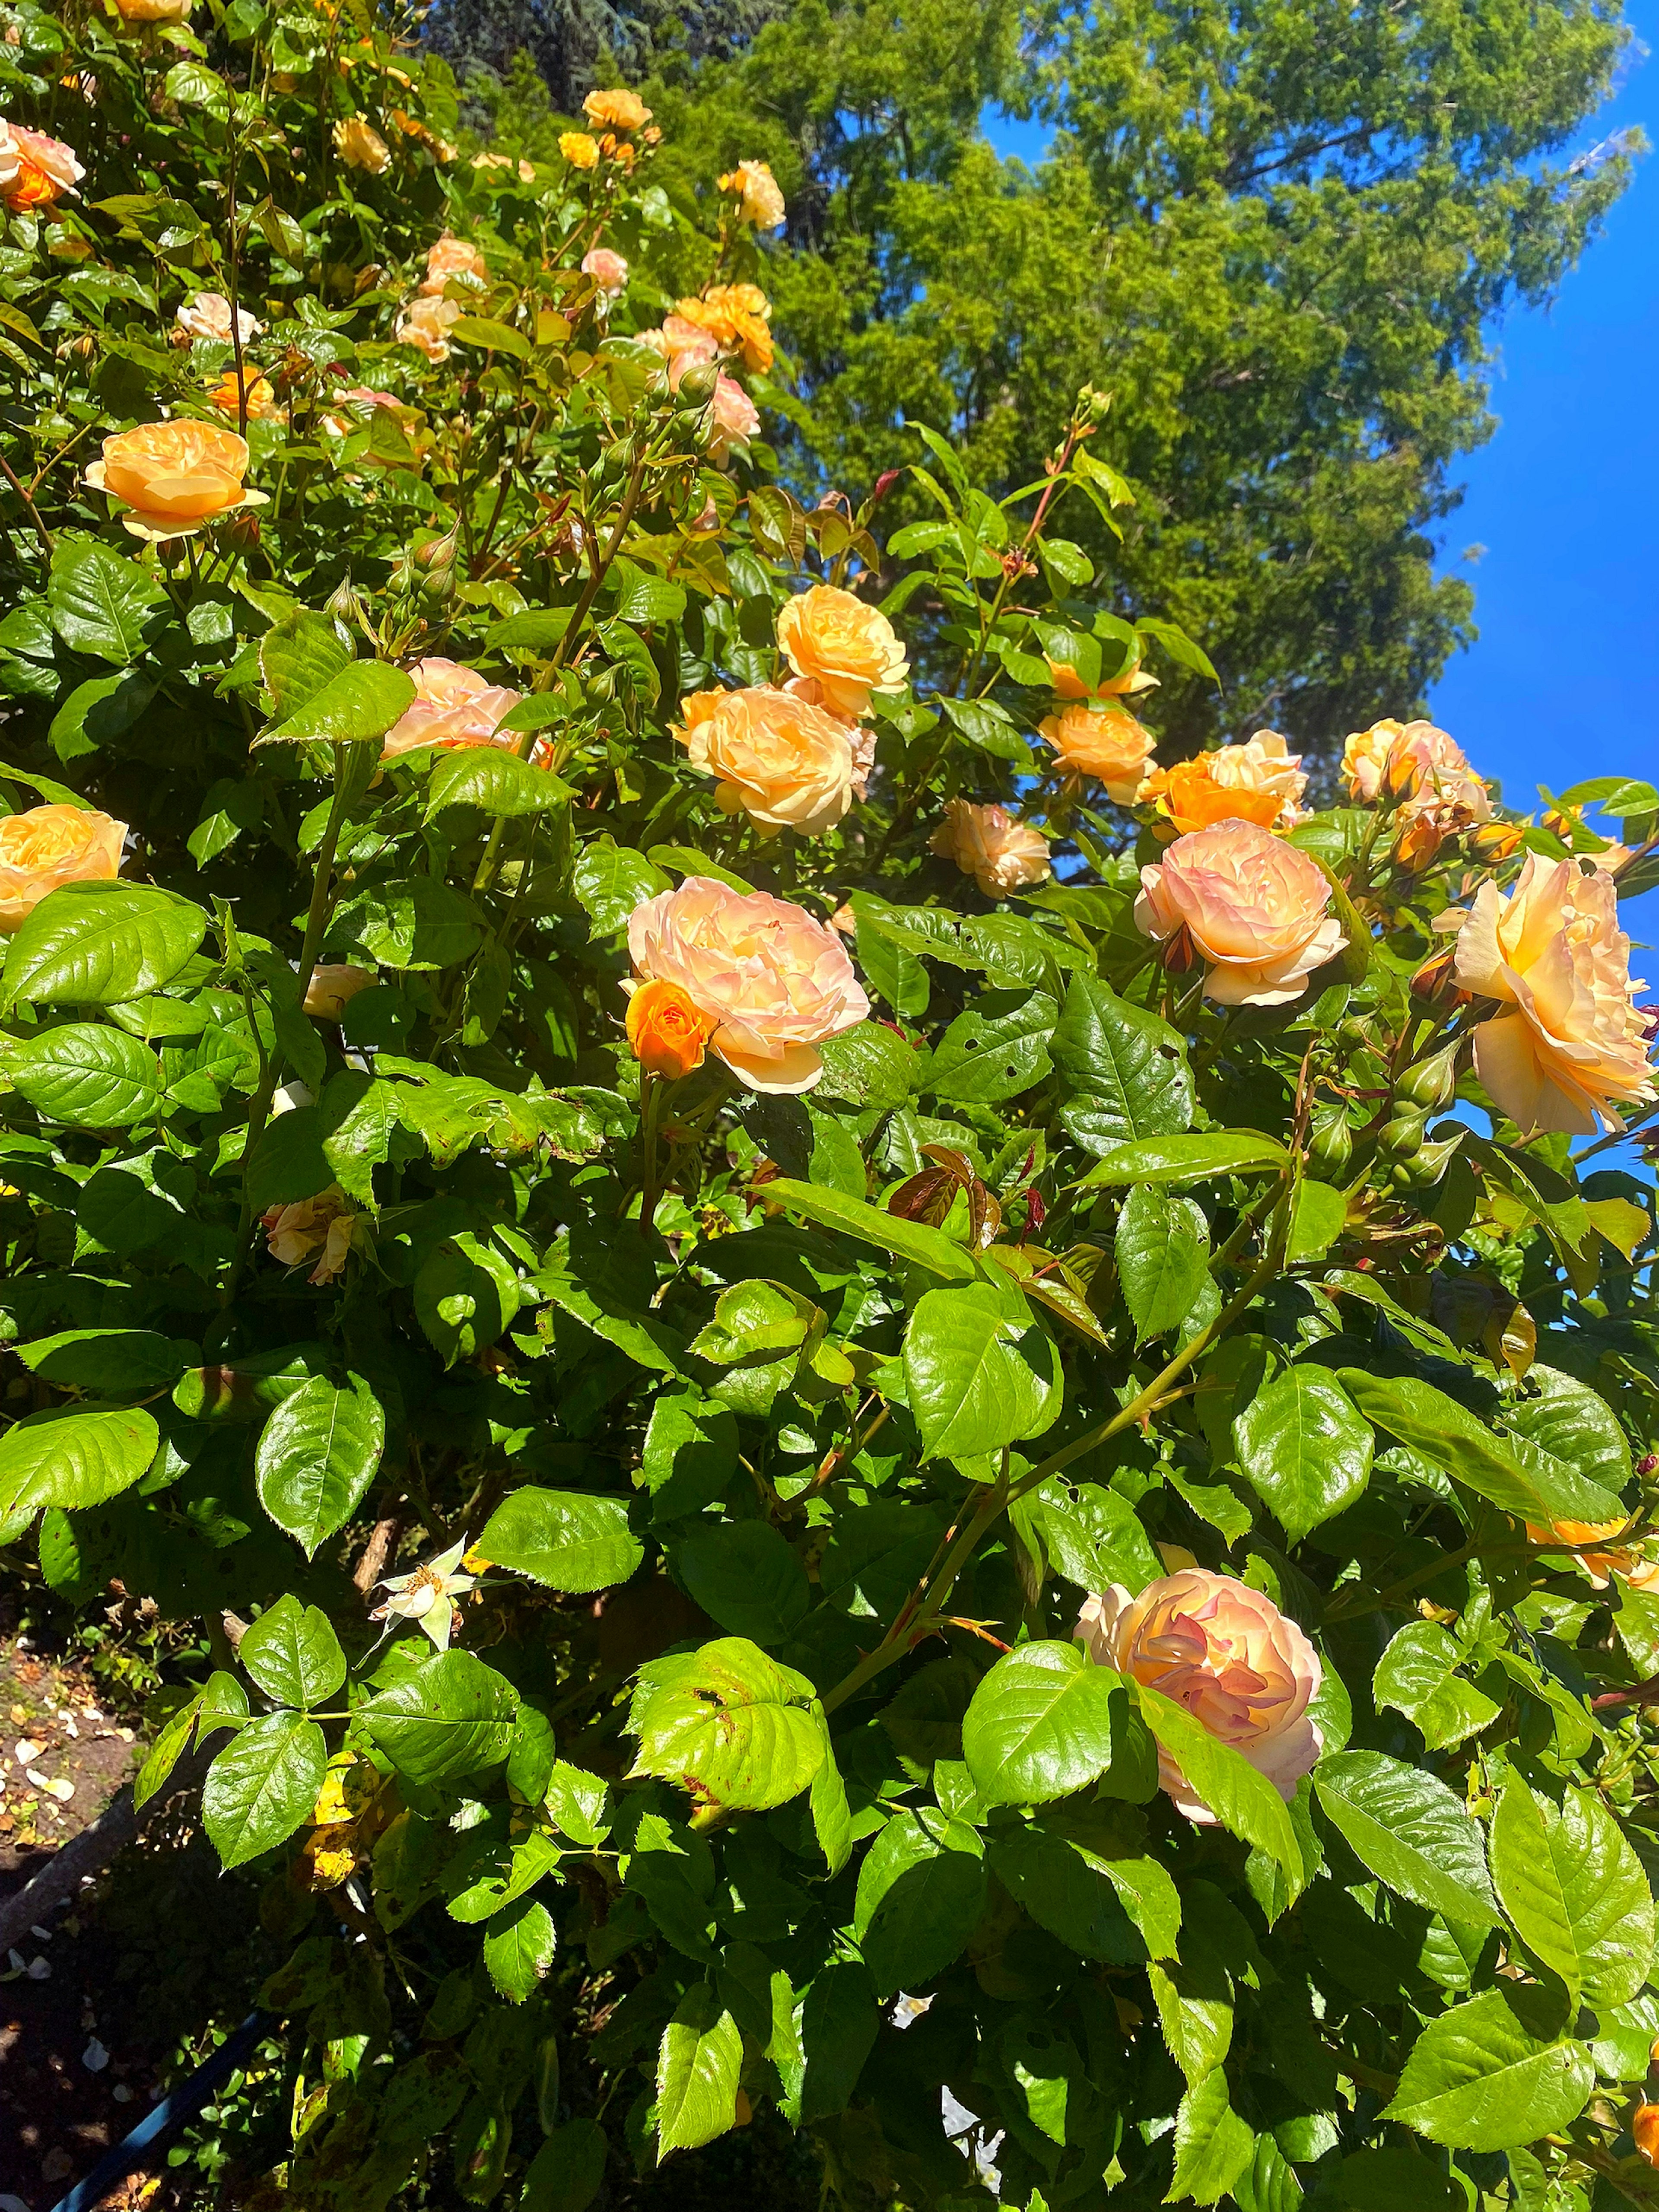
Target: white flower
(427, 1595)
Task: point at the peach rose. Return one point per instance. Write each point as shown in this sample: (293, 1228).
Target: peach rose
(262, 405)
(208, 316)
(760, 201)
(1226, 1654)
(452, 257)
(735, 416)
(11, 159)
(1599, 1564)
(667, 1033)
(1422, 768)
(1254, 906)
(154, 11)
(683, 345)
(773, 982)
(994, 847)
(174, 476)
(615, 111)
(783, 761)
(323, 1226)
(578, 150)
(426, 323)
(360, 146)
(1100, 743)
(453, 706)
(1130, 678)
(52, 845)
(46, 170)
(607, 270)
(736, 317)
(526, 170)
(331, 987)
(1573, 1043)
(844, 646)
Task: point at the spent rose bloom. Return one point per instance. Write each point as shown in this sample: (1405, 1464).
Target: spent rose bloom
(615, 111)
(1254, 906)
(448, 257)
(453, 706)
(47, 169)
(783, 761)
(361, 146)
(607, 270)
(1571, 1044)
(425, 323)
(174, 476)
(997, 849)
(427, 1595)
(332, 985)
(48, 846)
(845, 647)
(760, 201)
(321, 1228)
(668, 1034)
(774, 982)
(1226, 1654)
(1100, 742)
(736, 418)
(208, 316)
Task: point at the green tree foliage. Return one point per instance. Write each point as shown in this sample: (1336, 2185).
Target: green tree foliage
(1280, 235)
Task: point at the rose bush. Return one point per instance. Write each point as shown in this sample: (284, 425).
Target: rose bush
(873, 1406)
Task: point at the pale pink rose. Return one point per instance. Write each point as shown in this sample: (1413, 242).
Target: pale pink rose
(48, 846)
(331, 987)
(1422, 768)
(453, 706)
(775, 981)
(321, 1227)
(1254, 906)
(1574, 1043)
(1226, 1654)
(1100, 742)
(607, 270)
(996, 848)
(786, 764)
(736, 418)
(681, 345)
(426, 324)
(846, 646)
(1263, 762)
(760, 201)
(208, 316)
(452, 257)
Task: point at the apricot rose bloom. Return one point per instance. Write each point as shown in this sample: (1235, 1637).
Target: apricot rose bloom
(1130, 678)
(1254, 906)
(208, 316)
(48, 846)
(154, 11)
(667, 1032)
(453, 708)
(760, 201)
(174, 476)
(1571, 1044)
(997, 849)
(425, 323)
(322, 1227)
(615, 111)
(607, 270)
(1424, 767)
(1600, 1564)
(452, 257)
(43, 169)
(1100, 742)
(578, 150)
(333, 985)
(735, 416)
(361, 146)
(844, 646)
(736, 317)
(683, 345)
(774, 982)
(262, 405)
(783, 761)
(1226, 1654)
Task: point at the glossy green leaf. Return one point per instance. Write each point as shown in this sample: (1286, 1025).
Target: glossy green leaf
(292, 1652)
(1126, 1069)
(99, 945)
(449, 1717)
(562, 1539)
(1162, 1250)
(1304, 1450)
(730, 1723)
(1411, 1832)
(1488, 2074)
(73, 1458)
(1040, 1725)
(262, 1786)
(316, 1457)
(1426, 1421)
(88, 1077)
(747, 1578)
(1575, 1890)
(697, 2066)
(979, 1372)
(1241, 1798)
(357, 705)
(920, 1890)
(1175, 1160)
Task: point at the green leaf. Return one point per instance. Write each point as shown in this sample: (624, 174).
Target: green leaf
(1488, 2074)
(167, 1748)
(1103, 1902)
(496, 782)
(1040, 1725)
(1392, 2179)
(414, 922)
(921, 1891)
(262, 1786)
(562, 1539)
(72, 1457)
(822, 2040)
(293, 1653)
(690, 1452)
(98, 711)
(1427, 1422)
(746, 1577)
(1213, 2145)
(1241, 1799)
(868, 1066)
(98, 944)
(1192, 1158)
(518, 1945)
(1576, 1892)
(979, 1371)
(1411, 1832)
(832, 1819)
(1268, 2183)
(1195, 2012)
(1304, 1450)
(568, 2171)
(1162, 1250)
(492, 337)
(358, 704)
(102, 601)
(450, 1717)
(698, 2063)
(612, 880)
(317, 1456)
(1418, 1676)
(88, 1077)
(1126, 1069)
(298, 656)
(729, 1722)
(911, 1241)
(996, 1048)
(1564, 1432)
(465, 1296)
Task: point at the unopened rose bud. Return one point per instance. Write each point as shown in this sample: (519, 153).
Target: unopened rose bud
(1649, 1464)
(242, 531)
(1495, 841)
(341, 602)
(1417, 843)
(1436, 982)
(1401, 774)
(699, 384)
(1177, 954)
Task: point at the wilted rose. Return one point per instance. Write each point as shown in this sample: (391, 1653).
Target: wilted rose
(996, 848)
(615, 111)
(1575, 1045)
(667, 1032)
(784, 763)
(759, 200)
(1226, 1654)
(332, 987)
(360, 146)
(48, 846)
(1100, 742)
(321, 1227)
(453, 706)
(208, 316)
(448, 257)
(174, 476)
(1254, 906)
(845, 646)
(774, 982)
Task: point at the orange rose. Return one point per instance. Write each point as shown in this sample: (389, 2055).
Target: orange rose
(615, 111)
(844, 646)
(1228, 1656)
(760, 201)
(262, 405)
(578, 150)
(174, 476)
(53, 845)
(452, 257)
(1100, 743)
(425, 324)
(771, 981)
(1573, 1044)
(323, 1225)
(999, 852)
(1254, 906)
(453, 708)
(1645, 2129)
(667, 1032)
(1189, 796)
(735, 316)
(42, 170)
(784, 763)
(154, 11)
(1599, 1565)
(331, 988)
(360, 146)
(1068, 683)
